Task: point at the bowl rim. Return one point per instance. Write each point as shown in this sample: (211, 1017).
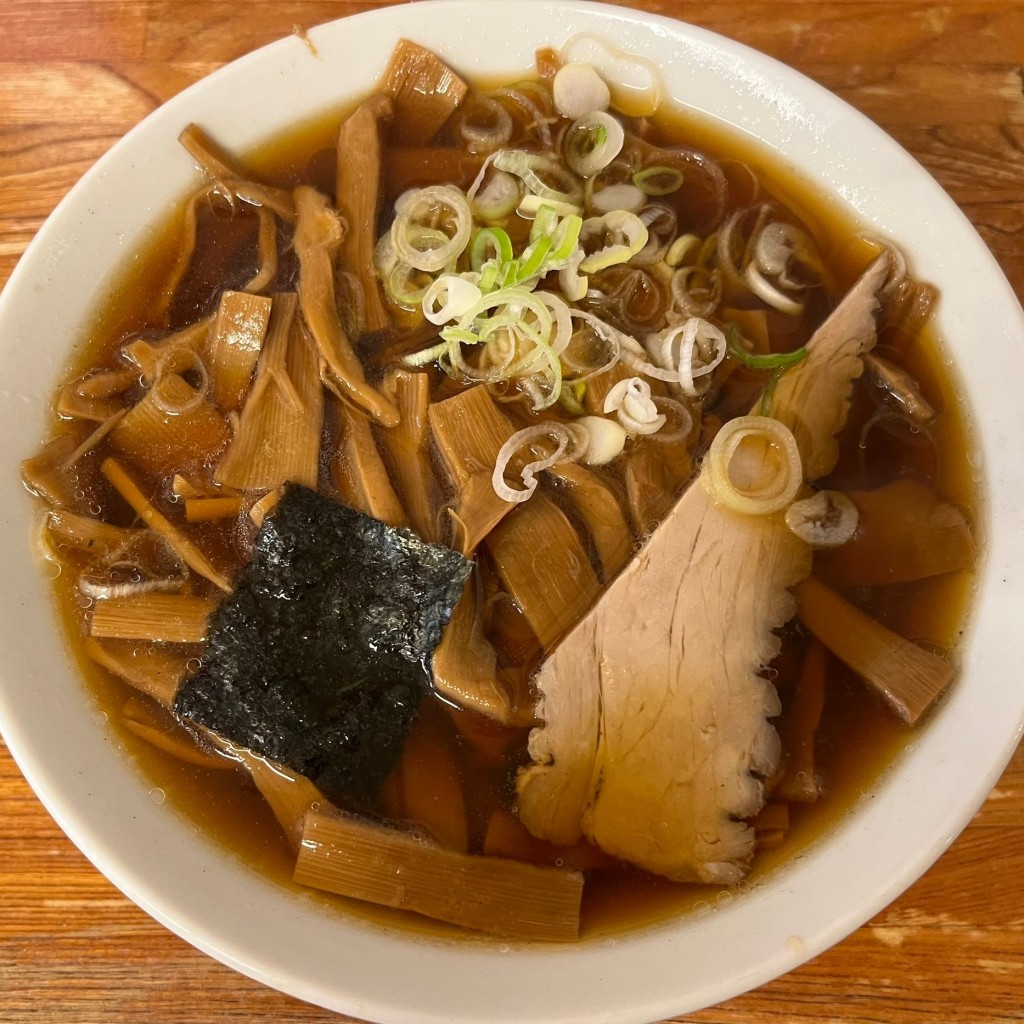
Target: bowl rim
(597, 980)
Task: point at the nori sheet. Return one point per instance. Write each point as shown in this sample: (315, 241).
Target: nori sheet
(321, 656)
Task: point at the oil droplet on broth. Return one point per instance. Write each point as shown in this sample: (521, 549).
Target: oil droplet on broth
(157, 795)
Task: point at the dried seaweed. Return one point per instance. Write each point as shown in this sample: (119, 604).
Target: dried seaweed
(321, 656)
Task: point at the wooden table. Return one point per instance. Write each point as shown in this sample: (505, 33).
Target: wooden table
(945, 80)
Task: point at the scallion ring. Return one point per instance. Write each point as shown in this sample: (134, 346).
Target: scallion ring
(753, 466)
(592, 143)
(659, 180)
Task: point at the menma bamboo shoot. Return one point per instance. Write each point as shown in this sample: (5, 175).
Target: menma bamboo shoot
(367, 862)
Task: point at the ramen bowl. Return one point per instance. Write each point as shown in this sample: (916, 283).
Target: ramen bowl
(207, 895)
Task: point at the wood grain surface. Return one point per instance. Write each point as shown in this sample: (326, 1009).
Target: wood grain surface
(945, 79)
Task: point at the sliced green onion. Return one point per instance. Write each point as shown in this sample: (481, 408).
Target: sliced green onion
(682, 249)
(530, 204)
(488, 242)
(427, 247)
(753, 466)
(544, 222)
(618, 197)
(566, 238)
(578, 90)
(400, 287)
(592, 143)
(571, 398)
(573, 284)
(764, 407)
(628, 235)
(660, 180)
(489, 276)
(533, 258)
(527, 165)
(449, 297)
(427, 355)
(773, 361)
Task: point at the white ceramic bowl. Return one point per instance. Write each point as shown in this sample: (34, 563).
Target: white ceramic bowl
(92, 789)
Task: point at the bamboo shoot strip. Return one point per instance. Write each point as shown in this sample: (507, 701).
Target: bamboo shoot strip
(358, 200)
(204, 510)
(167, 618)
(597, 504)
(278, 436)
(408, 445)
(465, 665)
(799, 726)
(83, 533)
(267, 251)
(288, 794)
(358, 470)
(367, 862)
(152, 517)
(431, 787)
(162, 442)
(215, 163)
(318, 235)
(94, 438)
(74, 406)
(651, 486)
(44, 475)
(265, 506)
(469, 430)
(234, 346)
(104, 385)
(231, 177)
(155, 671)
(507, 836)
(148, 355)
(426, 92)
(160, 730)
(906, 533)
(908, 677)
(544, 567)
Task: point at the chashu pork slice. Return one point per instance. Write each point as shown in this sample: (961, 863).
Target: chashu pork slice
(654, 709)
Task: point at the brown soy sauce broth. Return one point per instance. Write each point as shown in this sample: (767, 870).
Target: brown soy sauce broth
(857, 739)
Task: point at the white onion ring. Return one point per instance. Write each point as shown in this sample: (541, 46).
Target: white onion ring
(689, 334)
(769, 294)
(413, 205)
(624, 233)
(682, 432)
(478, 136)
(169, 363)
(828, 519)
(767, 498)
(456, 295)
(578, 90)
(605, 439)
(587, 164)
(567, 440)
(617, 197)
(631, 401)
